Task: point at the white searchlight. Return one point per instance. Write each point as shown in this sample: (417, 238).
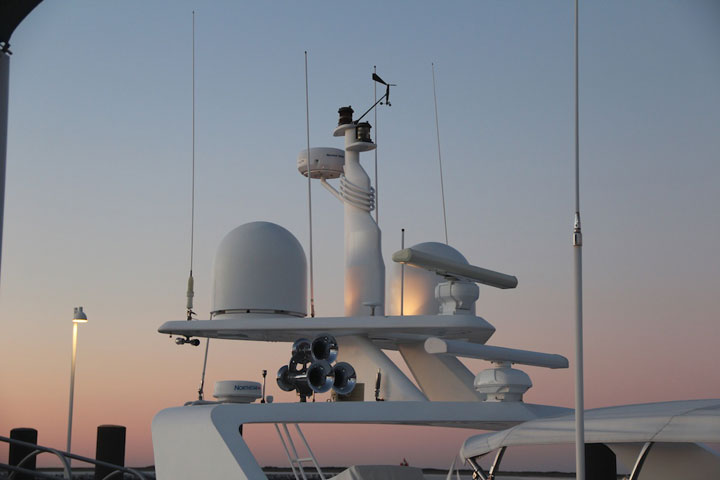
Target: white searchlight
(454, 270)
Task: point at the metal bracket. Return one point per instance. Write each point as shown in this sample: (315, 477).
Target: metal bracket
(640, 460)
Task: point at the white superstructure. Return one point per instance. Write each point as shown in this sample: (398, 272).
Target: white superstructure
(260, 294)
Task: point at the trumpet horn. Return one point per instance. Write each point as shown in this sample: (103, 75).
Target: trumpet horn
(301, 350)
(320, 376)
(344, 378)
(324, 347)
(283, 379)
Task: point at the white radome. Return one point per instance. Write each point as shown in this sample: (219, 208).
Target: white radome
(237, 391)
(326, 163)
(260, 268)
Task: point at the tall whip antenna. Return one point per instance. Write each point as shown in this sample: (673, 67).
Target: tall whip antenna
(307, 129)
(577, 247)
(377, 210)
(437, 129)
(191, 281)
(402, 275)
(190, 292)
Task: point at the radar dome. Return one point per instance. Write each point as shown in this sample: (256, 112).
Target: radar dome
(420, 283)
(237, 391)
(325, 162)
(260, 268)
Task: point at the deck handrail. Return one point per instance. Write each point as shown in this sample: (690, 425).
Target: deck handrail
(64, 458)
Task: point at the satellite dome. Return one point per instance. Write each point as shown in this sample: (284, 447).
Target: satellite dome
(419, 291)
(260, 268)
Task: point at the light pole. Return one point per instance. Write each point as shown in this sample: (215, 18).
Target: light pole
(78, 317)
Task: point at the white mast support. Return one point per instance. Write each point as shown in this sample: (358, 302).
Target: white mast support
(366, 358)
(364, 266)
(442, 378)
(458, 348)
(332, 190)
(577, 247)
(4, 92)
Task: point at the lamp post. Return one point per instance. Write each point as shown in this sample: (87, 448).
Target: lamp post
(78, 317)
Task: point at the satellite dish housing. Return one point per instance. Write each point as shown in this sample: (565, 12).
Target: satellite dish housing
(260, 268)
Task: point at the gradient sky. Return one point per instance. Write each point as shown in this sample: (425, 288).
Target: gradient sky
(98, 191)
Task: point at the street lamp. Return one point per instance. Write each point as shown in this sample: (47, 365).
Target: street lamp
(78, 317)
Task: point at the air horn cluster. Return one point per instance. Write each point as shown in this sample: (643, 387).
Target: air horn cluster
(310, 369)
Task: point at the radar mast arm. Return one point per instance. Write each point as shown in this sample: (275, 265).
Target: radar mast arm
(332, 190)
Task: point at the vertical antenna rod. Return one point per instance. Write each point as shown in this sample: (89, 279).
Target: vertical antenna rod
(191, 281)
(190, 292)
(577, 247)
(437, 129)
(402, 275)
(377, 210)
(307, 129)
(4, 98)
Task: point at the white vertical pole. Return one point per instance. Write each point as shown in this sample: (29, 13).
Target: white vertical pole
(72, 384)
(4, 92)
(577, 247)
(402, 275)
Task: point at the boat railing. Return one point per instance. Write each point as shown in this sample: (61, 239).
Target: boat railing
(118, 471)
(296, 462)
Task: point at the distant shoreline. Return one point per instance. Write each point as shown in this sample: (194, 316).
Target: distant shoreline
(280, 473)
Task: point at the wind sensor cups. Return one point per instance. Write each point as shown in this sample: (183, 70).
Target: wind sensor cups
(260, 269)
(325, 163)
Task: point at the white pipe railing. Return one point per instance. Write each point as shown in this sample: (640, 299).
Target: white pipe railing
(64, 457)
